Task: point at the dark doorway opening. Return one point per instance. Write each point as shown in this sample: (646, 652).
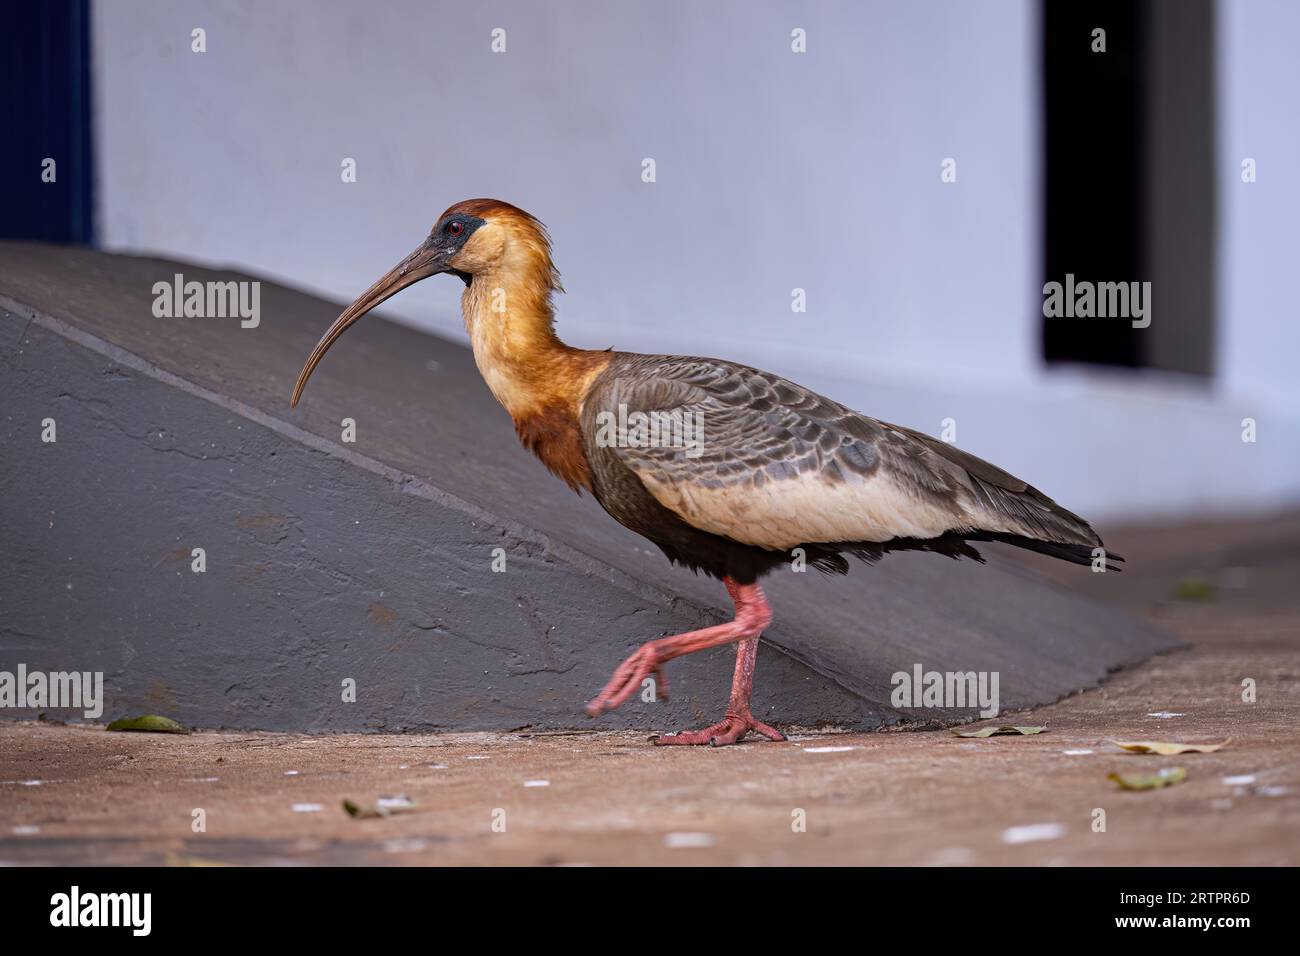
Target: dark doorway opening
(1129, 192)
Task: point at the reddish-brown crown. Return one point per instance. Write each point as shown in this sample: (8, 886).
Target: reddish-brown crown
(491, 208)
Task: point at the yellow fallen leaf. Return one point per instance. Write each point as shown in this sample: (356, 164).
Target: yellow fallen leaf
(991, 731)
(1166, 749)
(1165, 777)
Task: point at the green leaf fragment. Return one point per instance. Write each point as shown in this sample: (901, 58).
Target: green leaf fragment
(148, 724)
(1194, 589)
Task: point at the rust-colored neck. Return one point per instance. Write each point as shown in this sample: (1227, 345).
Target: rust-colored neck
(539, 380)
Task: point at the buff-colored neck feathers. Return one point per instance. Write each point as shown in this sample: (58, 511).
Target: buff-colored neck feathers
(510, 318)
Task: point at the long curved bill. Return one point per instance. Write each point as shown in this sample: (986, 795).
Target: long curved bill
(420, 264)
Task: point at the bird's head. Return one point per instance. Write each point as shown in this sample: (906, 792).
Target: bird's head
(472, 239)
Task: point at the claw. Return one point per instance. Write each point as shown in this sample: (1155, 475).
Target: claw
(727, 731)
(627, 679)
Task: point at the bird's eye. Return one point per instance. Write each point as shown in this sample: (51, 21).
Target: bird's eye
(455, 228)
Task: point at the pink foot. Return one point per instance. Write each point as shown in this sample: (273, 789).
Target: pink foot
(648, 661)
(753, 614)
(728, 731)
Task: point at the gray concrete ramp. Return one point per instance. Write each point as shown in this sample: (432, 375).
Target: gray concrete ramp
(371, 561)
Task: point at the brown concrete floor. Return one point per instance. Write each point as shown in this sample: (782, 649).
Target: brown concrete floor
(899, 797)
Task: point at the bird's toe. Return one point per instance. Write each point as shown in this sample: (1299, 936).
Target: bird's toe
(728, 731)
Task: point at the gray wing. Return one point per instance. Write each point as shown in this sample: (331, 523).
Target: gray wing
(753, 457)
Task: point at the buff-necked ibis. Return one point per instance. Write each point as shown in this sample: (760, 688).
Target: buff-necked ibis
(778, 471)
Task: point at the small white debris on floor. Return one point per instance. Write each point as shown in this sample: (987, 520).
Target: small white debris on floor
(952, 856)
(828, 750)
(1077, 753)
(1272, 791)
(1165, 714)
(399, 802)
(437, 766)
(201, 780)
(291, 773)
(25, 829)
(1242, 780)
(479, 757)
(307, 808)
(1033, 832)
(405, 845)
(537, 783)
(687, 841)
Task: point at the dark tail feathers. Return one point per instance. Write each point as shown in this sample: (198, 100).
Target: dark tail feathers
(1074, 553)
(955, 545)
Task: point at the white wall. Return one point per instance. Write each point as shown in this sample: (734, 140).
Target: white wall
(1259, 105)
(775, 170)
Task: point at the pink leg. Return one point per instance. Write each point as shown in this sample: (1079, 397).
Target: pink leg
(753, 614)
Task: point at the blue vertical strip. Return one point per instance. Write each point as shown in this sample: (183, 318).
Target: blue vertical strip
(46, 97)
